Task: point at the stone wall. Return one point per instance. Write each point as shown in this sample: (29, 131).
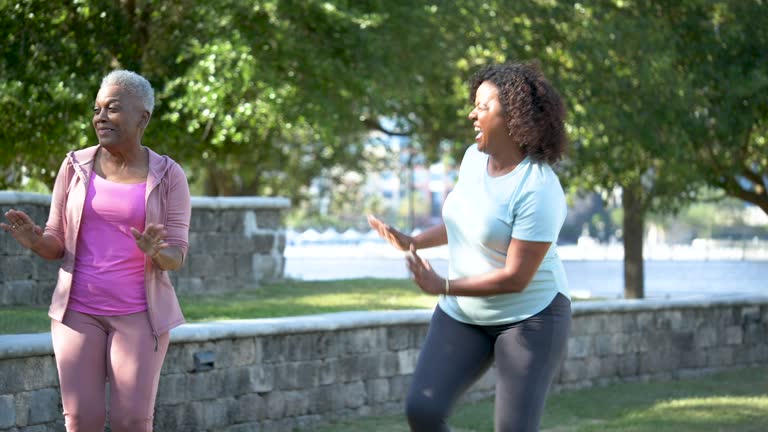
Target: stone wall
(298, 372)
(234, 243)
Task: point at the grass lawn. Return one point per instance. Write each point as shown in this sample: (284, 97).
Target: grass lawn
(288, 298)
(735, 401)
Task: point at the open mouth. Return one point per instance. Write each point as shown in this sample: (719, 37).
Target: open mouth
(479, 133)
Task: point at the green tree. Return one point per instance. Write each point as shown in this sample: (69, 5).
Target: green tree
(721, 65)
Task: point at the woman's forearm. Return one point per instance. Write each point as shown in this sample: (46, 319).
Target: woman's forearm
(48, 247)
(431, 237)
(170, 258)
(496, 282)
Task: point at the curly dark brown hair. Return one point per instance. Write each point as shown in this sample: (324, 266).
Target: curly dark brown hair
(534, 110)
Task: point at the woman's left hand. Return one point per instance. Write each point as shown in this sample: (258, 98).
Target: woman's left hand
(152, 240)
(423, 274)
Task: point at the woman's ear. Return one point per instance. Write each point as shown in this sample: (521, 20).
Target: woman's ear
(145, 116)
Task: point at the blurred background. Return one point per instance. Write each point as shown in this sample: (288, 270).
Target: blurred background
(356, 107)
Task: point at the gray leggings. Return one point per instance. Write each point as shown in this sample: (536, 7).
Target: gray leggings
(455, 354)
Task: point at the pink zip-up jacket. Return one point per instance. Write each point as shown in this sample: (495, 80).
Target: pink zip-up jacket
(167, 202)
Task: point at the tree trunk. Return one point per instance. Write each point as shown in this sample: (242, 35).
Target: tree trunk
(634, 223)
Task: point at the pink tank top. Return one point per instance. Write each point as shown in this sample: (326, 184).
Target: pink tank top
(109, 268)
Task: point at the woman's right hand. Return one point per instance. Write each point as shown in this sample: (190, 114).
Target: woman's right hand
(396, 238)
(21, 227)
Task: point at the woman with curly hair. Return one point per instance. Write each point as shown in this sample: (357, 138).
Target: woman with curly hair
(505, 299)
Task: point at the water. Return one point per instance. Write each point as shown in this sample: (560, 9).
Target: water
(602, 278)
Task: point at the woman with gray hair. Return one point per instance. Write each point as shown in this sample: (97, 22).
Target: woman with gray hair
(119, 219)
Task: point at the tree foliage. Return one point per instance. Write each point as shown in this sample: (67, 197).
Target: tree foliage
(261, 97)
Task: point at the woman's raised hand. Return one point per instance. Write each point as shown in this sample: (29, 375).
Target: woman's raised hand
(396, 238)
(22, 228)
(423, 274)
(152, 240)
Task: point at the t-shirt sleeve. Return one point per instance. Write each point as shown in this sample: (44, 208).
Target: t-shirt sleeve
(539, 213)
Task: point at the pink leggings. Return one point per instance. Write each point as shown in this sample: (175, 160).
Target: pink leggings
(92, 349)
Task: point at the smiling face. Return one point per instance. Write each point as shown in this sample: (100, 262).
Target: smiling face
(119, 117)
(488, 118)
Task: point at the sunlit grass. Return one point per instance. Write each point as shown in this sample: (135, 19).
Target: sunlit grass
(287, 298)
(735, 401)
(24, 319)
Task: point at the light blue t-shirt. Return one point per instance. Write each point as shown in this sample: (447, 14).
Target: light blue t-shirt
(482, 214)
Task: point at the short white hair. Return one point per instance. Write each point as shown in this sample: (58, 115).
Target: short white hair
(134, 83)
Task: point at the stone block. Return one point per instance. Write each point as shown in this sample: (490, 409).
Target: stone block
(41, 428)
(652, 363)
(750, 315)
(755, 333)
(269, 219)
(628, 322)
(398, 338)
(594, 367)
(190, 285)
(19, 292)
(43, 269)
(349, 369)
(219, 284)
(261, 378)
(180, 358)
(246, 351)
(705, 337)
(695, 358)
(213, 414)
(379, 365)
(406, 361)
(251, 407)
(172, 389)
(328, 371)
(232, 220)
(280, 241)
(355, 395)
(734, 335)
(377, 390)
(7, 411)
(263, 266)
(206, 385)
(201, 263)
(44, 406)
(17, 267)
(609, 367)
(574, 370)
(298, 347)
(645, 321)
(579, 346)
(604, 344)
(240, 244)
(613, 323)
(245, 427)
(27, 373)
(681, 341)
(406, 336)
(275, 405)
(720, 356)
(263, 244)
(8, 246)
(298, 375)
(674, 321)
(244, 267)
(296, 403)
(398, 386)
(628, 365)
(205, 220)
